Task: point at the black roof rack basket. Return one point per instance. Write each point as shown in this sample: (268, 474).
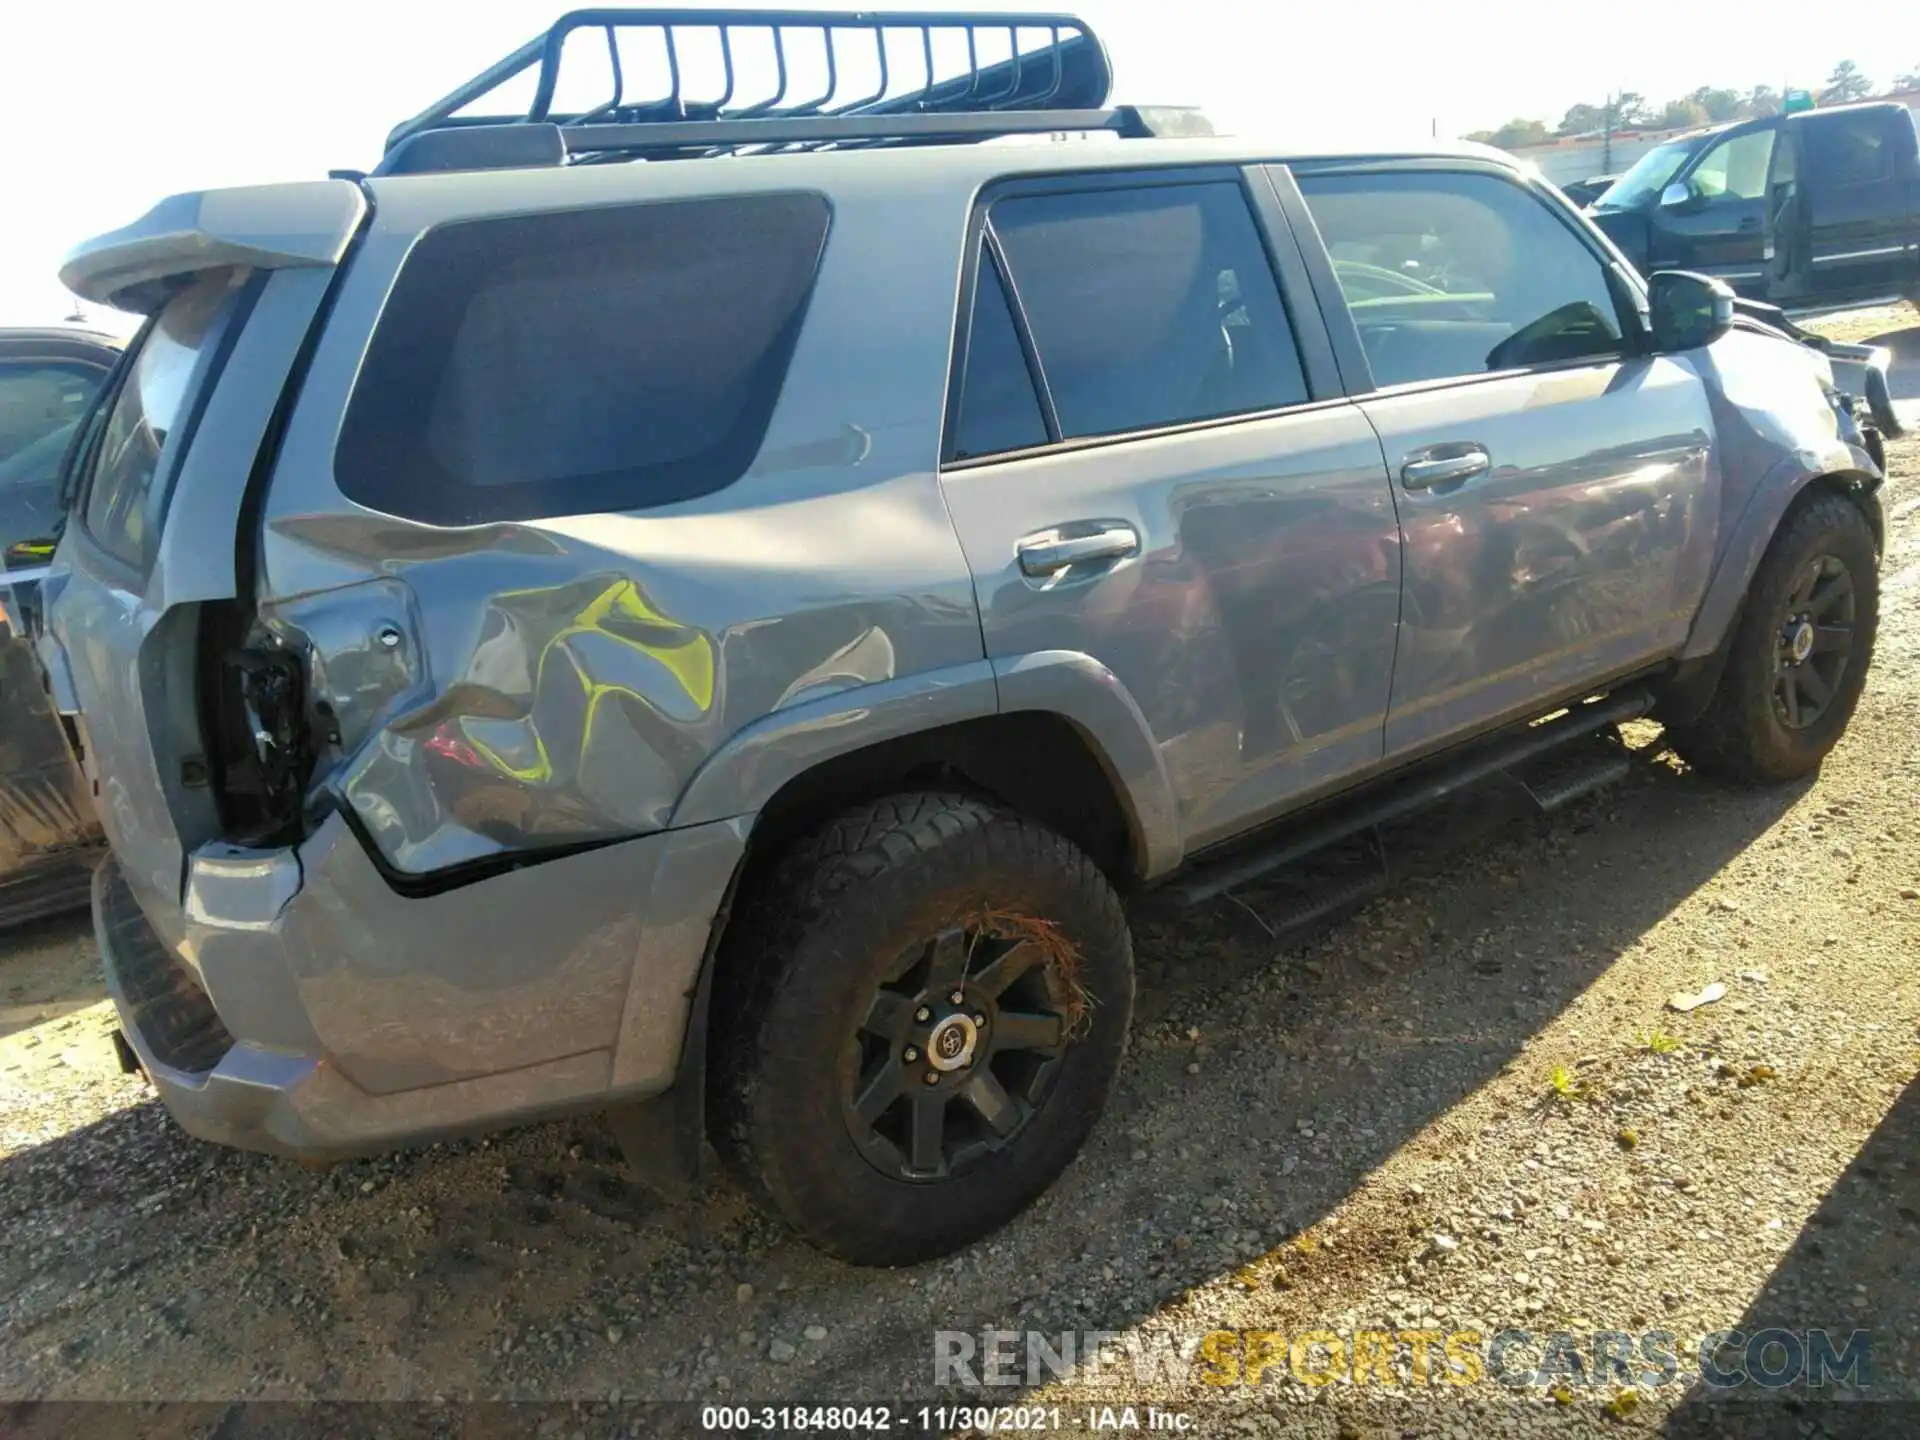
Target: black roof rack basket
(704, 82)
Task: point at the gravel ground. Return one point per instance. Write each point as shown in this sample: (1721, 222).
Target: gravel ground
(1466, 1107)
(1856, 327)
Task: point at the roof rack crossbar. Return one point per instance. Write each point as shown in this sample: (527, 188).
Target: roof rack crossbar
(994, 101)
(619, 82)
(880, 91)
(772, 102)
(833, 73)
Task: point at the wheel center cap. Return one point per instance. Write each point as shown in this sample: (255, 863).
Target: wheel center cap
(950, 1045)
(1800, 641)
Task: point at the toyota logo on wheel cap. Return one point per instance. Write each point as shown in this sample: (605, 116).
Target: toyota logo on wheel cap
(950, 1046)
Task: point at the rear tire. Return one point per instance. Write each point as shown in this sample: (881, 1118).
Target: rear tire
(850, 960)
(1799, 656)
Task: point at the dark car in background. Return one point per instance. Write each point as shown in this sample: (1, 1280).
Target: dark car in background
(49, 379)
(1817, 208)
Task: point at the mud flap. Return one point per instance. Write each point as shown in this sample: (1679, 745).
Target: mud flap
(129, 1062)
(664, 1137)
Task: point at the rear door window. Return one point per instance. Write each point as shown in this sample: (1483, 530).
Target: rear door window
(1149, 307)
(125, 491)
(1849, 149)
(560, 364)
(999, 407)
(1490, 279)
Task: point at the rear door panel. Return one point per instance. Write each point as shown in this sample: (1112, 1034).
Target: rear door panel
(1861, 185)
(1253, 618)
(1255, 628)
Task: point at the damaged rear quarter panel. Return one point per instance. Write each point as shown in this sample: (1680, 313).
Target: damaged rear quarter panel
(558, 682)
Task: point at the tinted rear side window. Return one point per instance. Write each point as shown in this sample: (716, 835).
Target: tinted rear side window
(1850, 149)
(560, 364)
(999, 408)
(1149, 307)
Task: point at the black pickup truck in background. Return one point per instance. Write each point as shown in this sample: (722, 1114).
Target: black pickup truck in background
(1810, 209)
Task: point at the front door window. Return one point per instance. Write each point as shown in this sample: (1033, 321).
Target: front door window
(1734, 169)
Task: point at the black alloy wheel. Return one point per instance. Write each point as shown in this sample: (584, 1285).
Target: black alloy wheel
(1816, 643)
(956, 1053)
(920, 1011)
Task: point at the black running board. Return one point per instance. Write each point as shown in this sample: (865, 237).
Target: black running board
(1573, 771)
(1436, 781)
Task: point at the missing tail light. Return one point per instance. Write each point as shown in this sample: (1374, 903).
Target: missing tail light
(259, 752)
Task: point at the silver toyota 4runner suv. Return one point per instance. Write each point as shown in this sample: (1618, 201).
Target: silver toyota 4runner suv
(702, 609)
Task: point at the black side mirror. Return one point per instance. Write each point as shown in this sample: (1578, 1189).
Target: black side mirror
(1686, 311)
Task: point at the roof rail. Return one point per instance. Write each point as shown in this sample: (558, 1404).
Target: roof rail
(723, 81)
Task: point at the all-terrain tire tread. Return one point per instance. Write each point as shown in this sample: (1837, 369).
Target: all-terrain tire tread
(1735, 738)
(852, 855)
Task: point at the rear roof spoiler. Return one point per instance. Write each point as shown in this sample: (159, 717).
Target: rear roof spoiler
(263, 226)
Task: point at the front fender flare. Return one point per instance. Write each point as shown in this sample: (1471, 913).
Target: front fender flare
(1753, 532)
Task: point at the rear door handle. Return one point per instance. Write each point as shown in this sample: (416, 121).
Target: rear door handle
(1444, 465)
(1050, 551)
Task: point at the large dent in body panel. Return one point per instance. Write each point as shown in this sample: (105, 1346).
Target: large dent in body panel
(575, 710)
(582, 669)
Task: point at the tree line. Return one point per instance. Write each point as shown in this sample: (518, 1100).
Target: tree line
(1708, 105)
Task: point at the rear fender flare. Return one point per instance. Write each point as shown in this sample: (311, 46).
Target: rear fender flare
(745, 774)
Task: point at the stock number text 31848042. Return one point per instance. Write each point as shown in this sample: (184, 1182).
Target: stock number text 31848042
(879, 1419)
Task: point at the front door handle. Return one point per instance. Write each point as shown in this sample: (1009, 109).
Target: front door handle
(1050, 551)
(1444, 465)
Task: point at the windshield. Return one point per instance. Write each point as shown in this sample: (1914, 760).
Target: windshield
(1648, 177)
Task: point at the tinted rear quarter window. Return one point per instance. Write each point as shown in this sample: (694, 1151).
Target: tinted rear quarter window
(1149, 307)
(560, 364)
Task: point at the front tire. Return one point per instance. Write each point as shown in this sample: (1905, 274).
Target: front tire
(1799, 656)
(926, 1007)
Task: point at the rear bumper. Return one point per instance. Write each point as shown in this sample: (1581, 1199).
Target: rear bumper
(312, 1011)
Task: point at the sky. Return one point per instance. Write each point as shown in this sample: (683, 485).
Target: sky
(99, 119)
